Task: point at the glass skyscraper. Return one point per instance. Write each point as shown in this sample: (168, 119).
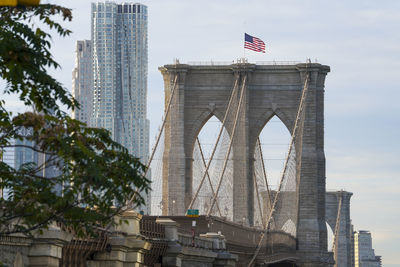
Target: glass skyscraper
(118, 81)
(82, 77)
(119, 56)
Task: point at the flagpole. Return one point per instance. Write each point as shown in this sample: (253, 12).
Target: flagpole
(244, 50)
(244, 29)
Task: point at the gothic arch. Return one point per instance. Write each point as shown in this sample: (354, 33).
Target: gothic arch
(270, 90)
(198, 123)
(266, 116)
(263, 120)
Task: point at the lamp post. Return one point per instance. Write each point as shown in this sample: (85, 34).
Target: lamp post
(173, 207)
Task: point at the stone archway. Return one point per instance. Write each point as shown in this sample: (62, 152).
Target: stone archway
(270, 89)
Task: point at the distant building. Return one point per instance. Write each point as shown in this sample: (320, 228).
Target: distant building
(364, 255)
(110, 77)
(22, 153)
(352, 245)
(119, 52)
(82, 77)
(8, 155)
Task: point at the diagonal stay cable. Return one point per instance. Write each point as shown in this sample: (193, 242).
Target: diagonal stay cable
(163, 124)
(129, 203)
(337, 226)
(294, 133)
(216, 143)
(230, 145)
(258, 200)
(208, 175)
(264, 173)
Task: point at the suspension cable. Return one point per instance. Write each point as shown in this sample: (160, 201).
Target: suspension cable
(294, 133)
(337, 226)
(208, 176)
(163, 124)
(216, 143)
(129, 203)
(265, 176)
(230, 144)
(258, 200)
(293, 137)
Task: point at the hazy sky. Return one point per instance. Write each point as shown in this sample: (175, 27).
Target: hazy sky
(359, 40)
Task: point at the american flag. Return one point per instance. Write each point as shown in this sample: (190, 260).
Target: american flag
(253, 43)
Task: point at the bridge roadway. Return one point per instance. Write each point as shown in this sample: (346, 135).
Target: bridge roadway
(278, 248)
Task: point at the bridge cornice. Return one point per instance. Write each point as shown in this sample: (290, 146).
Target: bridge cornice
(315, 67)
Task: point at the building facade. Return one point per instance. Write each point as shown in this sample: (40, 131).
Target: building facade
(364, 255)
(82, 77)
(110, 78)
(22, 153)
(119, 57)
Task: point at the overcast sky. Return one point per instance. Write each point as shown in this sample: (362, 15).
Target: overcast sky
(359, 40)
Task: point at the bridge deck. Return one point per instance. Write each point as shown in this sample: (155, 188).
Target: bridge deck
(240, 239)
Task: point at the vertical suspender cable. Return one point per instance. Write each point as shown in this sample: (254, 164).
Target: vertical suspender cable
(230, 145)
(159, 134)
(294, 133)
(264, 172)
(163, 123)
(208, 176)
(216, 143)
(258, 200)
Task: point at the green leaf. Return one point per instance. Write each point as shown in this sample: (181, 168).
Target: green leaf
(98, 175)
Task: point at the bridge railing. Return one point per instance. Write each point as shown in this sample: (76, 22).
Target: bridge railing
(274, 62)
(210, 63)
(225, 63)
(187, 241)
(149, 228)
(155, 234)
(238, 239)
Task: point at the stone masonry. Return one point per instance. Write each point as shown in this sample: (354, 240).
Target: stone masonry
(203, 91)
(343, 248)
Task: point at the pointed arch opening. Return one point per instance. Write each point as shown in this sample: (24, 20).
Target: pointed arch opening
(205, 184)
(269, 159)
(274, 139)
(330, 238)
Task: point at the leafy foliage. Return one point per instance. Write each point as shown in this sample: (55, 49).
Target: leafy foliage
(98, 177)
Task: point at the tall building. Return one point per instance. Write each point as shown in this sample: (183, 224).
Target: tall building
(82, 77)
(22, 153)
(119, 53)
(114, 95)
(8, 157)
(8, 154)
(364, 255)
(352, 253)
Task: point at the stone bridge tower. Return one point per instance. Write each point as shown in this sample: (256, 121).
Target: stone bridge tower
(343, 249)
(203, 91)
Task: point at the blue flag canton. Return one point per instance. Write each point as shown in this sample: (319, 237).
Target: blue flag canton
(248, 38)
